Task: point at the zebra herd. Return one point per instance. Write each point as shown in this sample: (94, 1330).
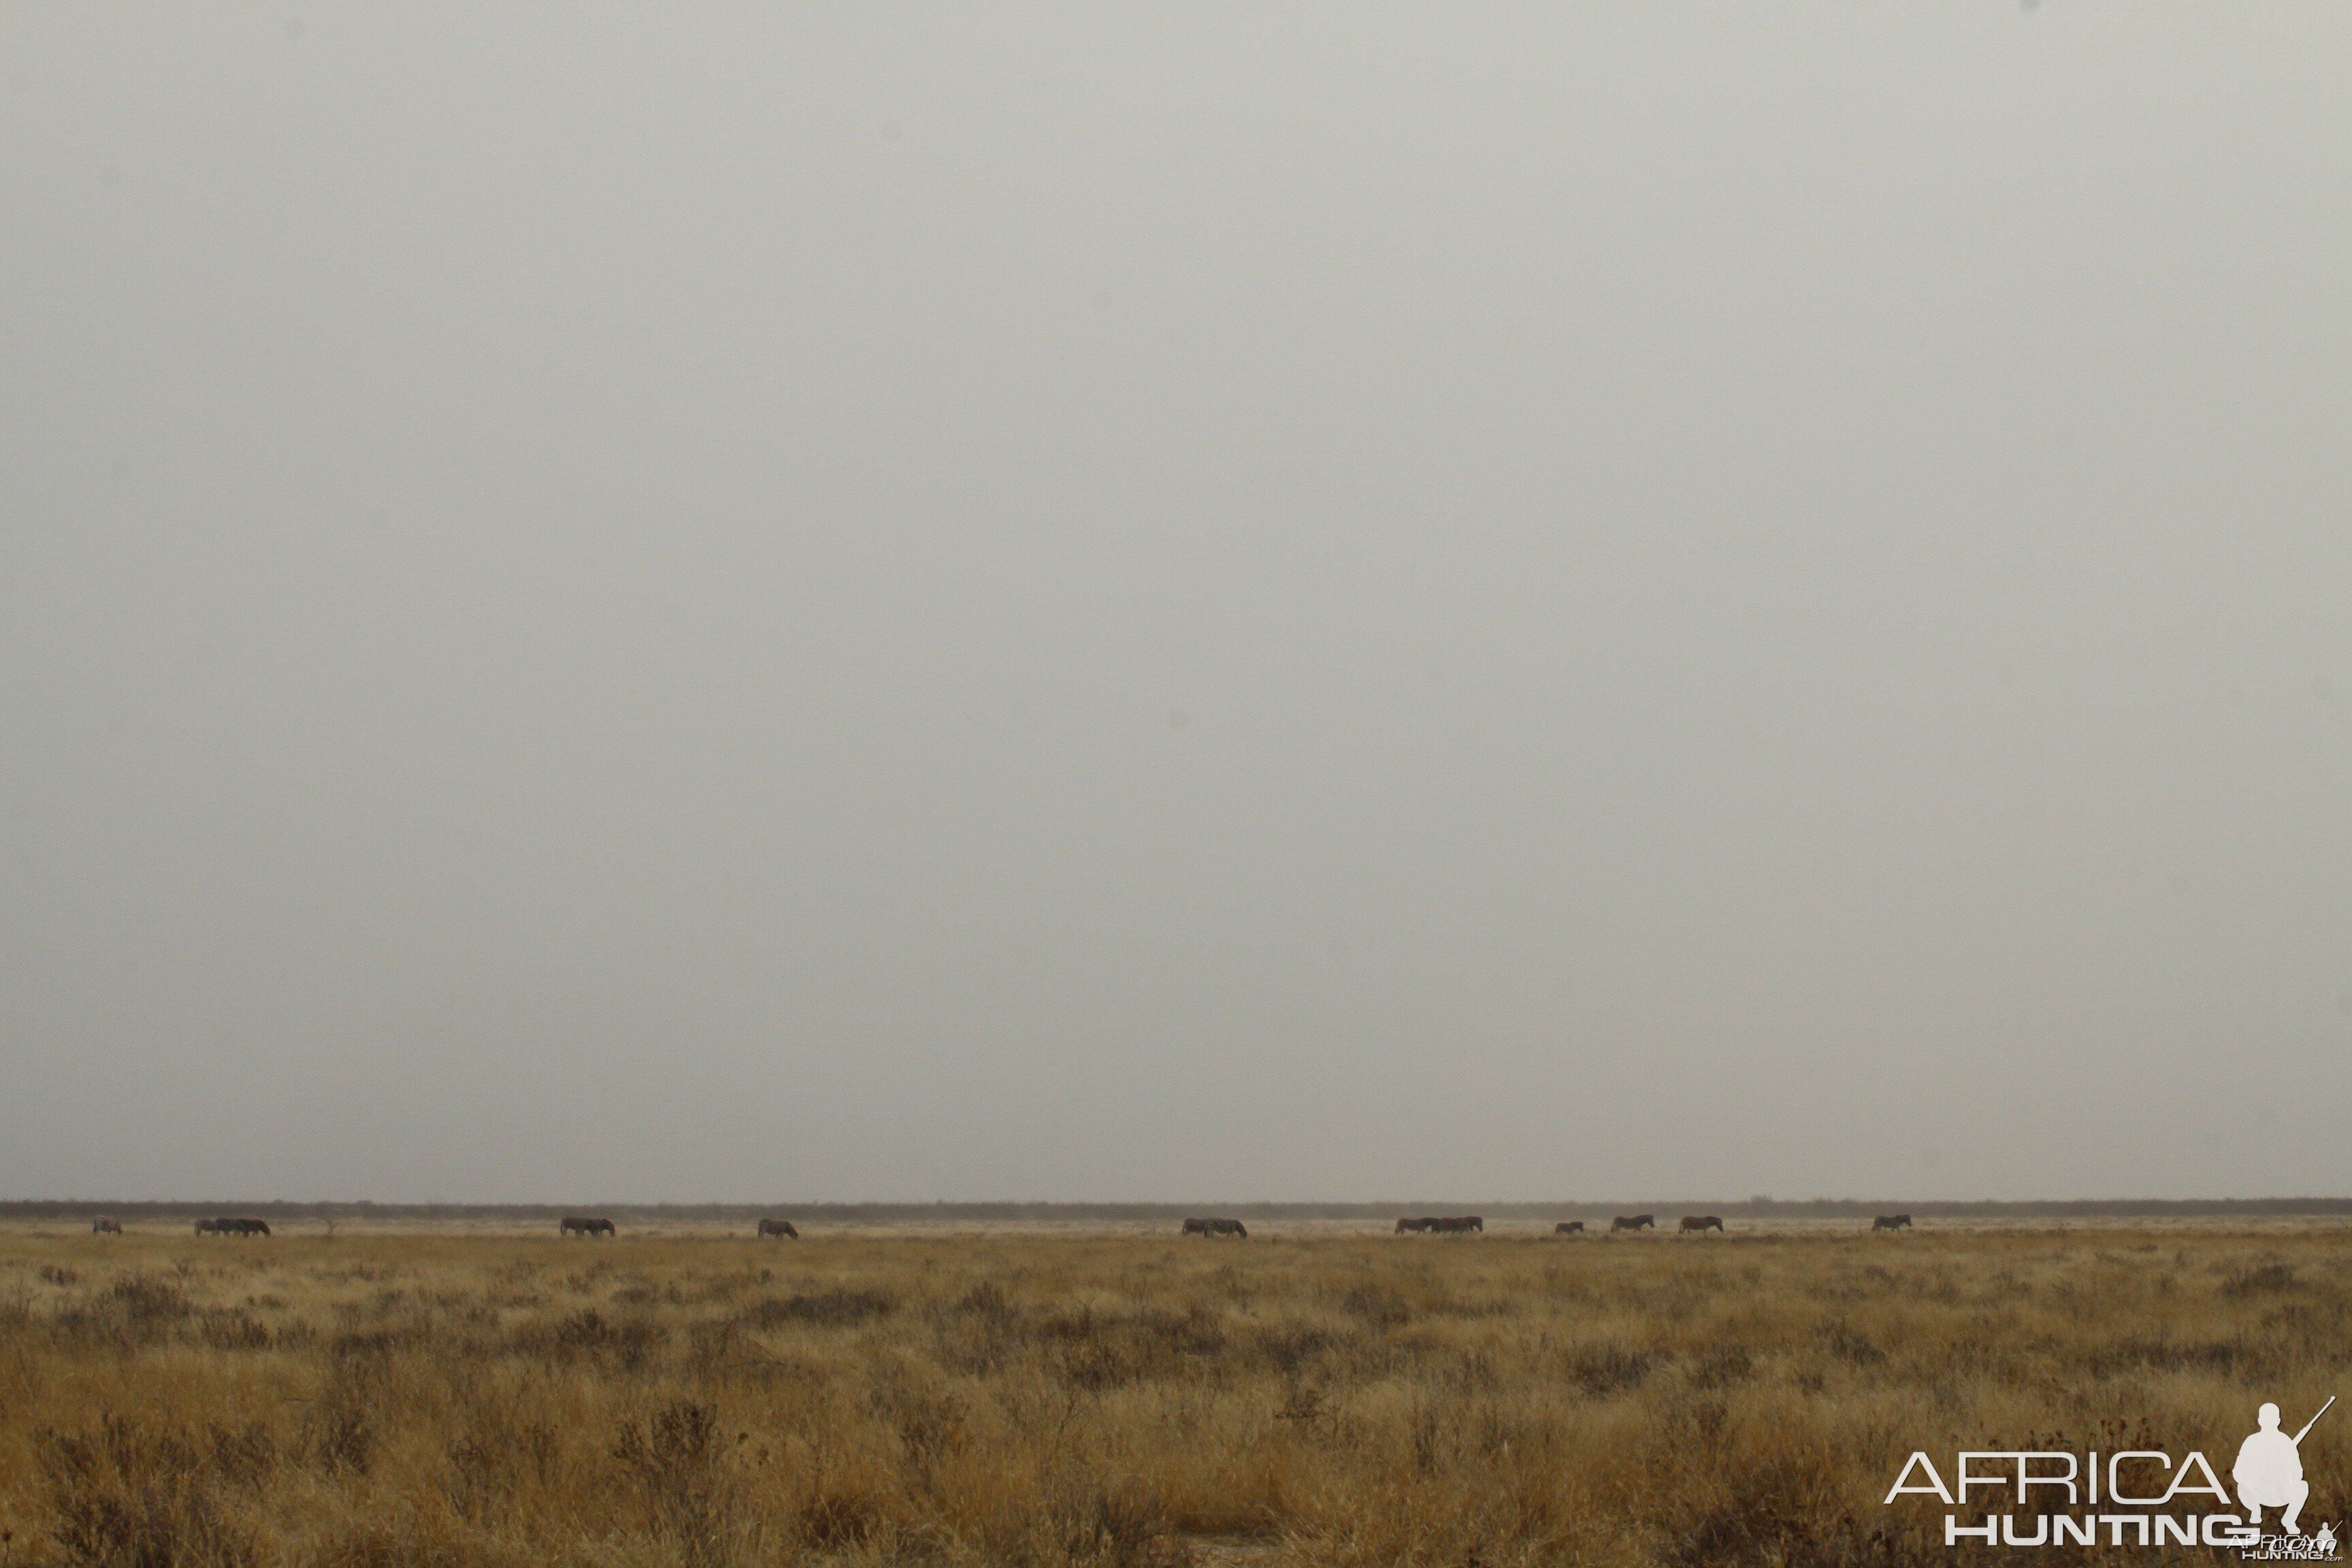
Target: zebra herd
(107, 1224)
(596, 1224)
(1425, 1225)
(1216, 1227)
(1463, 1225)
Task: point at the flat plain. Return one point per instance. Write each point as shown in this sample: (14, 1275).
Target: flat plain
(386, 1396)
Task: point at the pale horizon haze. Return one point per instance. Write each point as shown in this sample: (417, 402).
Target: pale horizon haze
(1294, 602)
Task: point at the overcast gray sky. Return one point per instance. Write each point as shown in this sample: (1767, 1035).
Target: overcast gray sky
(1289, 601)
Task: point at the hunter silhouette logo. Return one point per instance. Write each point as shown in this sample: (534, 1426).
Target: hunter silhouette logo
(2154, 1502)
(2269, 1471)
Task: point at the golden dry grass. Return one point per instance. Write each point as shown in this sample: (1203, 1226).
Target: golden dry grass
(388, 1398)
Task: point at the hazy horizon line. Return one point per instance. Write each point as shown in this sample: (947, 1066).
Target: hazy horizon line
(1754, 1206)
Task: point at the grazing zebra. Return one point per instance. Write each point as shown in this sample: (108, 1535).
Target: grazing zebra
(1633, 1222)
(574, 1225)
(1216, 1227)
(778, 1227)
(1891, 1222)
(105, 1226)
(216, 1227)
(1460, 1224)
(1568, 1227)
(1694, 1222)
(247, 1226)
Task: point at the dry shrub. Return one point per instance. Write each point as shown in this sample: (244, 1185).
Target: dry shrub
(1610, 1369)
(676, 1462)
(1089, 1523)
(232, 1328)
(931, 1424)
(835, 1520)
(1375, 1307)
(1784, 1514)
(1848, 1343)
(149, 1300)
(342, 1441)
(1723, 1366)
(2262, 1279)
(1288, 1349)
(405, 1540)
(2160, 1353)
(135, 1496)
(495, 1457)
(831, 1309)
(628, 1343)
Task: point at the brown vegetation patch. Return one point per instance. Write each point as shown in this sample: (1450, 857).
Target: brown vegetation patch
(1107, 1402)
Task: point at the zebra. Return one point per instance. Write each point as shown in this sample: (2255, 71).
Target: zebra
(778, 1227)
(1633, 1222)
(1701, 1222)
(1891, 1222)
(1568, 1227)
(1216, 1227)
(105, 1224)
(574, 1224)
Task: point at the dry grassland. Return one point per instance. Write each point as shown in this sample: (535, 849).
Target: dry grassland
(392, 1399)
